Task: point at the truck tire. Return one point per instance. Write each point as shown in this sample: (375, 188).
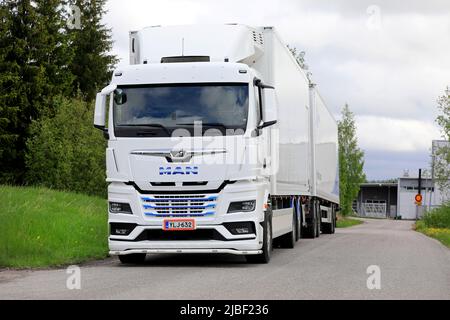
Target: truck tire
(267, 247)
(298, 229)
(133, 258)
(288, 240)
(318, 219)
(310, 231)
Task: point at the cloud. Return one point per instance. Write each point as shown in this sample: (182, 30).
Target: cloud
(399, 135)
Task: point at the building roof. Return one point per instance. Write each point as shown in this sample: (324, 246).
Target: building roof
(379, 184)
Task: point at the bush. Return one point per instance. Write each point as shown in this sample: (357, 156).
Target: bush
(438, 218)
(65, 151)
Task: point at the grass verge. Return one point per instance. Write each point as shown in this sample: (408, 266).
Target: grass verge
(441, 234)
(436, 224)
(43, 228)
(345, 222)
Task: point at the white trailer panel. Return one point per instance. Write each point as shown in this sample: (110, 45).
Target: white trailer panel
(325, 137)
(291, 85)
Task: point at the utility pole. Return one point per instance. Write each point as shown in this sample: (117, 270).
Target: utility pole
(418, 197)
(432, 175)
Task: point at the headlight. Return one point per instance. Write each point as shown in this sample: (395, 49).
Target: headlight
(117, 207)
(242, 206)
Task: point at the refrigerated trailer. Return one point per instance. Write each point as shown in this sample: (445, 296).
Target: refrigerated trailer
(217, 143)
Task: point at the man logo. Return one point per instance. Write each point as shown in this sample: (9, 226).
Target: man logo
(177, 154)
(169, 171)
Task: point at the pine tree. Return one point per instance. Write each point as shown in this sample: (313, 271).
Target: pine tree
(33, 69)
(351, 161)
(92, 63)
(54, 52)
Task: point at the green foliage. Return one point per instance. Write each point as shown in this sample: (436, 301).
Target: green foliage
(65, 152)
(92, 65)
(436, 224)
(444, 119)
(438, 218)
(34, 58)
(441, 159)
(41, 59)
(42, 228)
(351, 162)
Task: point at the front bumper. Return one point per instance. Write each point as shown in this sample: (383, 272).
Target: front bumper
(243, 244)
(216, 251)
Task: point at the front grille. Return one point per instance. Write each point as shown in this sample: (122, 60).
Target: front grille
(161, 235)
(196, 205)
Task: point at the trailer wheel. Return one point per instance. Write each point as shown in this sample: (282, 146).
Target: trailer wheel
(267, 247)
(318, 219)
(288, 240)
(298, 225)
(133, 258)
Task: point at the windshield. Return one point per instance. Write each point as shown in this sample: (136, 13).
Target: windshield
(159, 110)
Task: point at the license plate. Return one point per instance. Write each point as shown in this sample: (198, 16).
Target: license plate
(179, 225)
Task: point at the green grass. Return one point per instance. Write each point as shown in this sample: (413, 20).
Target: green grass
(345, 222)
(42, 228)
(436, 224)
(441, 234)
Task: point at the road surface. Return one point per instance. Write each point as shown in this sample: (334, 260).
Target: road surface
(412, 266)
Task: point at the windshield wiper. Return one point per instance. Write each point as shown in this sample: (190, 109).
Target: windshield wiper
(148, 125)
(212, 124)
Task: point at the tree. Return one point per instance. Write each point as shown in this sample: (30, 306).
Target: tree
(65, 151)
(33, 68)
(92, 63)
(441, 154)
(351, 161)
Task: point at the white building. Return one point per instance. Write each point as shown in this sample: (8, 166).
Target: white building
(397, 199)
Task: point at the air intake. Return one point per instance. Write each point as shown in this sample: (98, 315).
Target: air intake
(185, 59)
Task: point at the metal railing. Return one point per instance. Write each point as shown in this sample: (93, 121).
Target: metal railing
(374, 210)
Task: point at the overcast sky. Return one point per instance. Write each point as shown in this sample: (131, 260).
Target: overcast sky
(389, 60)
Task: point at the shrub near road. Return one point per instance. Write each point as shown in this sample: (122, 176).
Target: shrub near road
(41, 227)
(436, 224)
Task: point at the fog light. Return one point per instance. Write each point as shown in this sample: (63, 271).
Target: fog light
(242, 230)
(242, 206)
(238, 228)
(121, 229)
(118, 207)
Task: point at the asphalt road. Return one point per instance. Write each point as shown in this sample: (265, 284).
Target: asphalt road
(412, 266)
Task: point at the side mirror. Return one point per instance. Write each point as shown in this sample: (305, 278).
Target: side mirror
(270, 115)
(100, 108)
(120, 97)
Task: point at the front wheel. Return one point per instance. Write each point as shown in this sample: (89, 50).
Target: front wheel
(267, 247)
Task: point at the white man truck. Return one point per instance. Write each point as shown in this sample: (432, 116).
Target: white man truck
(217, 143)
